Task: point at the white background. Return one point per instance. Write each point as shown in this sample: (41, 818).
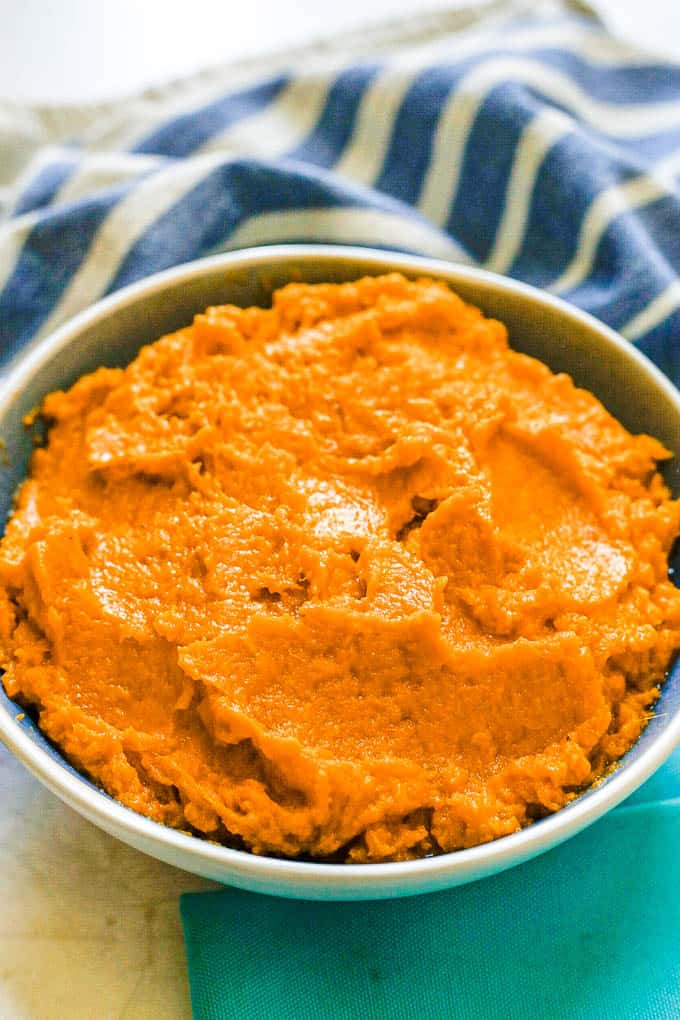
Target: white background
(75, 50)
(89, 928)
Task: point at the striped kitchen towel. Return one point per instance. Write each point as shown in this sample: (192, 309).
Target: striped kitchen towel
(518, 136)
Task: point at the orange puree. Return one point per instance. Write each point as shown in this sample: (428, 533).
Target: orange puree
(344, 577)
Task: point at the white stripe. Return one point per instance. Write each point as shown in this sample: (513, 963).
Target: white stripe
(151, 198)
(126, 126)
(126, 222)
(656, 311)
(453, 128)
(280, 126)
(14, 233)
(13, 236)
(603, 210)
(349, 225)
(309, 87)
(365, 153)
(457, 118)
(101, 170)
(538, 138)
(43, 158)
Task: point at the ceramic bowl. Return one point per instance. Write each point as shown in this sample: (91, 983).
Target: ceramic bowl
(111, 332)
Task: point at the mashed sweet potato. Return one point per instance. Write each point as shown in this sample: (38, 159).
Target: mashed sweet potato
(344, 577)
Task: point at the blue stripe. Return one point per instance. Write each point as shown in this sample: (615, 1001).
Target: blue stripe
(629, 85)
(619, 287)
(184, 134)
(42, 188)
(486, 166)
(661, 222)
(51, 255)
(560, 200)
(410, 148)
(617, 303)
(230, 194)
(646, 147)
(661, 345)
(326, 143)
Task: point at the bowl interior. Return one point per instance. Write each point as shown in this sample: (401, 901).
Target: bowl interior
(564, 339)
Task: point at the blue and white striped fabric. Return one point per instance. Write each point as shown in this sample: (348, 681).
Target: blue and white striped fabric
(532, 144)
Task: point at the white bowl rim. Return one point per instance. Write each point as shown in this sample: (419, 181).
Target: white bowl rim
(307, 877)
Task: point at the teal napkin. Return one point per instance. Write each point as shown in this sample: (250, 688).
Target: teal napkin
(588, 931)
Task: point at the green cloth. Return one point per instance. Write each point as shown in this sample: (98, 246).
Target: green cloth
(590, 930)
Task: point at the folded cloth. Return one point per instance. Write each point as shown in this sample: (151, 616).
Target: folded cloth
(521, 137)
(518, 135)
(588, 931)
